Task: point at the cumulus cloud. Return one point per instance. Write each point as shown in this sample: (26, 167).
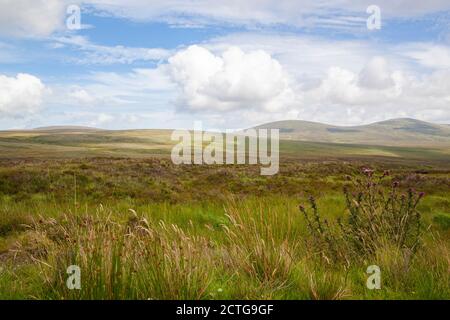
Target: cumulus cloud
(377, 93)
(37, 18)
(232, 87)
(21, 95)
(346, 88)
(352, 82)
(230, 81)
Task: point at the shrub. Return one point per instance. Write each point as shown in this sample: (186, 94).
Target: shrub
(375, 218)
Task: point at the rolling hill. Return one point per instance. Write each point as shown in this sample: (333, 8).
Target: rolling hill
(393, 140)
(67, 128)
(395, 132)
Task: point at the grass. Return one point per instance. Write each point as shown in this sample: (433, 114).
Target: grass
(140, 227)
(200, 233)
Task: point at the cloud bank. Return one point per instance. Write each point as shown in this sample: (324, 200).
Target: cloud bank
(255, 84)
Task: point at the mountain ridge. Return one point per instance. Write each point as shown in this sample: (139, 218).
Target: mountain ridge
(394, 132)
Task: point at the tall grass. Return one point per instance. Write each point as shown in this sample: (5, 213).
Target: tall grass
(261, 245)
(243, 248)
(133, 260)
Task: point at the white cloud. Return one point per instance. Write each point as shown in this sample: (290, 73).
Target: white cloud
(429, 54)
(371, 87)
(345, 97)
(306, 56)
(229, 86)
(138, 80)
(82, 96)
(98, 54)
(351, 82)
(376, 74)
(141, 89)
(41, 18)
(321, 13)
(21, 95)
(340, 82)
(100, 119)
(37, 18)
(233, 80)
(103, 118)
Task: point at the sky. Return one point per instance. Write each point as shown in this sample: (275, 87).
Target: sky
(230, 64)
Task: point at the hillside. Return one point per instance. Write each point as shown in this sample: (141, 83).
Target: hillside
(394, 140)
(66, 128)
(396, 132)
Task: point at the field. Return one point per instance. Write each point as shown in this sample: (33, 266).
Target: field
(140, 227)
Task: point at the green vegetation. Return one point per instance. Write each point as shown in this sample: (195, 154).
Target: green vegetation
(140, 227)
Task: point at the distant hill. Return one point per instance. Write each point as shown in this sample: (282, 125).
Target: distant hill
(66, 128)
(401, 141)
(395, 132)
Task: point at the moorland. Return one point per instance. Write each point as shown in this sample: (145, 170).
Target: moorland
(140, 227)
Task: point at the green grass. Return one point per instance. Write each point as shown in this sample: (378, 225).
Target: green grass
(142, 228)
(207, 255)
(250, 242)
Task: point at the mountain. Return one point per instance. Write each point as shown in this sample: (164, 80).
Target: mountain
(395, 132)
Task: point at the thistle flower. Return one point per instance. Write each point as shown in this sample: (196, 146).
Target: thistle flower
(368, 172)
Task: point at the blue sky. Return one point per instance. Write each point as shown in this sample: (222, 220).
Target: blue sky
(151, 64)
